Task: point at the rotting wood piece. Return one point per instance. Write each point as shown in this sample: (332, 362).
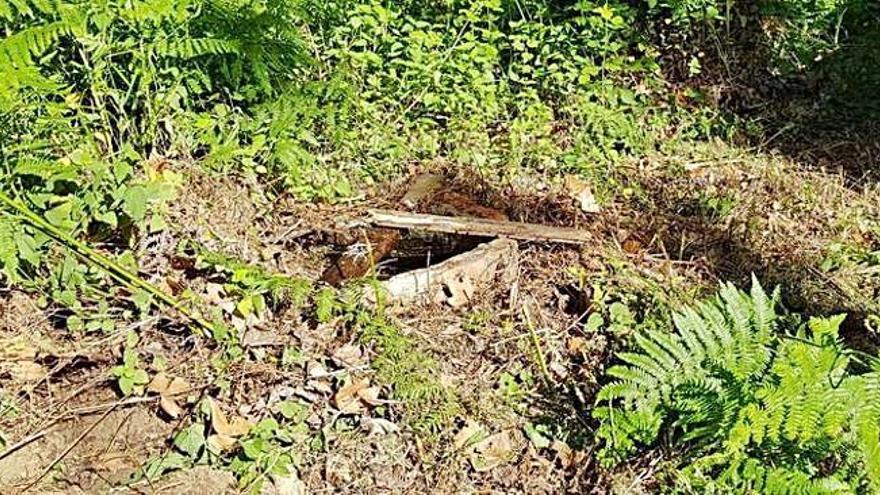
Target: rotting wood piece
(457, 204)
(431, 194)
(360, 257)
(455, 280)
(478, 227)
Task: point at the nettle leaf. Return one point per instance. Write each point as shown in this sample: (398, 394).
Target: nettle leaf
(169, 461)
(254, 448)
(60, 216)
(107, 217)
(135, 202)
(191, 440)
(293, 411)
(28, 248)
(160, 190)
(126, 385)
(143, 300)
(140, 377)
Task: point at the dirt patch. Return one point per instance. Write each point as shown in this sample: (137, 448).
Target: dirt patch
(116, 445)
(199, 480)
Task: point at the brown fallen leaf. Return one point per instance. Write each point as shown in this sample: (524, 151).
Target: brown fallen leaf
(322, 386)
(170, 407)
(167, 387)
(236, 427)
(347, 400)
(492, 452)
(177, 386)
(159, 383)
(370, 396)
(567, 456)
(579, 190)
(29, 371)
(162, 384)
(470, 435)
(348, 355)
(221, 443)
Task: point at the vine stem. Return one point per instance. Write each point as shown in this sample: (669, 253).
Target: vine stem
(105, 263)
(536, 342)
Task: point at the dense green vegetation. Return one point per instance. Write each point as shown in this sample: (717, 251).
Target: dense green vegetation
(764, 406)
(321, 99)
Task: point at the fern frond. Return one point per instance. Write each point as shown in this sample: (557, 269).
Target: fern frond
(196, 47)
(18, 49)
(631, 375)
(692, 328)
(764, 307)
(8, 252)
(11, 10)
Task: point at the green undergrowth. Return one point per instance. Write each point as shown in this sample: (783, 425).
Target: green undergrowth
(281, 442)
(755, 401)
(102, 101)
(99, 100)
(430, 406)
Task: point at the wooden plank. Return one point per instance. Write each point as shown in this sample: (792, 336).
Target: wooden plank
(478, 227)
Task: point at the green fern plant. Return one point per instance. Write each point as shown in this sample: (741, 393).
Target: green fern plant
(430, 405)
(758, 407)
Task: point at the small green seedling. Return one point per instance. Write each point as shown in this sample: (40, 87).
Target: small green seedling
(130, 377)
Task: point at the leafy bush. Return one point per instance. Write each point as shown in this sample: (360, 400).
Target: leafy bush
(760, 407)
(91, 95)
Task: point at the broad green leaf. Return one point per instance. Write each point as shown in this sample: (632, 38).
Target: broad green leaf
(169, 461)
(107, 217)
(8, 250)
(140, 377)
(292, 411)
(143, 300)
(126, 385)
(28, 248)
(539, 440)
(191, 440)
(60, 215)
(135, 202)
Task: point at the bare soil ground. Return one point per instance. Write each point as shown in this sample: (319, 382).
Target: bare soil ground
(517, 356)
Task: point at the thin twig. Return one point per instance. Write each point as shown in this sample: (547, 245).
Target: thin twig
(120, 403)
(24, 441)
(69, 448)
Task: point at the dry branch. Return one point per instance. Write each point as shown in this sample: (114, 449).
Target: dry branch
(478, 227)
